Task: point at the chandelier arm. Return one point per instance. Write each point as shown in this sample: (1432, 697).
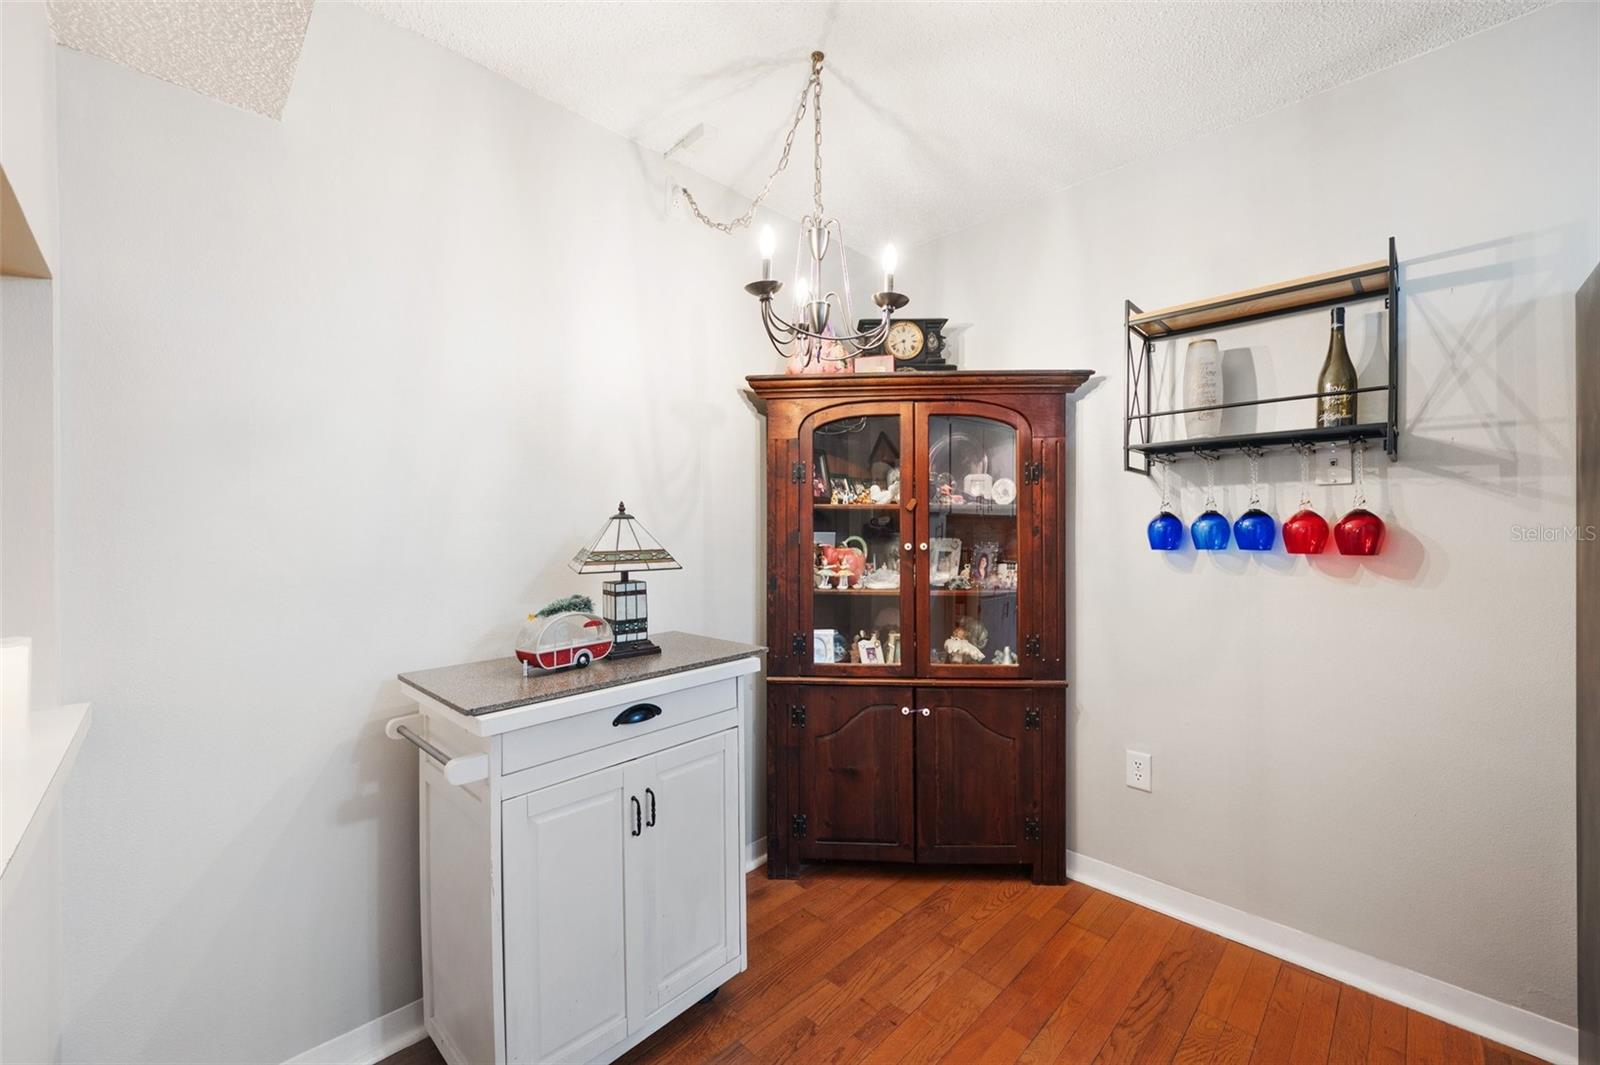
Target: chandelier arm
(768, 315)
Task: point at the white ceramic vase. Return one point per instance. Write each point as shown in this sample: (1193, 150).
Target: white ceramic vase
(1202, 386)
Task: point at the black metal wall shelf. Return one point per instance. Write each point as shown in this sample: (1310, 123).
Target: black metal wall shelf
(1358, 284)
(1286, 438)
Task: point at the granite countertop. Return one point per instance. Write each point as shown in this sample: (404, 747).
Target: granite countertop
(498, 684)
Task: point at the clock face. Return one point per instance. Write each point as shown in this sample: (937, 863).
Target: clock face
(905, 340)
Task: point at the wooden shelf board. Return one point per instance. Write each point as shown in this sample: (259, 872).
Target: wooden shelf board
(995, 592)
(855, 506)
(19, 251)
(978, 510)
(1364, 282)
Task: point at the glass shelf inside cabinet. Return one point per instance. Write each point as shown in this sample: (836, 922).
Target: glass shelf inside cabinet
(856, 553)
(974, 563)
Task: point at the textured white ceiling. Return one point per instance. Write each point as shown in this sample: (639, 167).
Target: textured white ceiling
(242, 52)
(935, 113)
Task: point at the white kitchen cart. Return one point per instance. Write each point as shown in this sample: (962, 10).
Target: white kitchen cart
(581, 848)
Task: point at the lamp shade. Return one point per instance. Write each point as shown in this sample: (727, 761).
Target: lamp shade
(623, 545)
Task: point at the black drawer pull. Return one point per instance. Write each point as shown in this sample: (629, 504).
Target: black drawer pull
(636, 713)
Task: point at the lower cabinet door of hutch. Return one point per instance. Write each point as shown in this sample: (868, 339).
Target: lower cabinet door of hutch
(855, 774)
(565, 951)
(978, 786)
(692, 879)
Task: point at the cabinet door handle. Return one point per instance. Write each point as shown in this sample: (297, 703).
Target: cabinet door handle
(651, 822)
(905, 711)
(637, 827)
(924, 711)
(908, 545)
(922, 547)
(636, 713)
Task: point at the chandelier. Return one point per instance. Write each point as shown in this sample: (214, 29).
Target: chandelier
(811, 335)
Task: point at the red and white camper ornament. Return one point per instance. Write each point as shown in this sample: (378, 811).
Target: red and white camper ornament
(565, 634)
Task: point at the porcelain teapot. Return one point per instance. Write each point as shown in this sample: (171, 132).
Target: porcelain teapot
(848, 563)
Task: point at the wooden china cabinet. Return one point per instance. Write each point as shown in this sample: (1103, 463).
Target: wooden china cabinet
(916, 681)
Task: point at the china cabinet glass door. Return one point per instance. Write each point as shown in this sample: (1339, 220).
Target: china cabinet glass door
(977, 558)
(857, 529)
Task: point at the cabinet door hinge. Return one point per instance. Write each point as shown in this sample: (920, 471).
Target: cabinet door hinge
(1032, 472)
(797, 826)
(1031, 719)
(797, 473)
(1030, 827)
(1033, 646)
(772, 583)
(798, 644)
(797, 716)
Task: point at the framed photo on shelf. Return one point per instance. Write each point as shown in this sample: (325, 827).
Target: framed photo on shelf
(870, 652)
(985, 563)
(823, 645)
(945, 553)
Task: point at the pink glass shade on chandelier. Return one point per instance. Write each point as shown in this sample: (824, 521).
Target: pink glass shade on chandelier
(1360, 532)
(1306, 533)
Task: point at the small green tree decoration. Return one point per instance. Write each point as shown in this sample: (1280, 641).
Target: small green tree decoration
(580, 603)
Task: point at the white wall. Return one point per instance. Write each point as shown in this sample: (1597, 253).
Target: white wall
(28, 115)
(1377, 754)
(28, 604)
(30, 926)
(341, 397)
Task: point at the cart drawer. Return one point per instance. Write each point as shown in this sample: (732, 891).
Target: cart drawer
(538, 744)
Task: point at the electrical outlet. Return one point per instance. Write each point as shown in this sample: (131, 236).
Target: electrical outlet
(1139, 770)
(1332, 464)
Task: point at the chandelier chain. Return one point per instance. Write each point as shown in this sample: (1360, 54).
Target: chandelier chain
(812, 90)
(816, 136)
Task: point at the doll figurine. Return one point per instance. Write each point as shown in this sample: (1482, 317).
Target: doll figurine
(961, 650)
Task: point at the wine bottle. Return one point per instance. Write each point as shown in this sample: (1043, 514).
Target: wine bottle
(1336, 401)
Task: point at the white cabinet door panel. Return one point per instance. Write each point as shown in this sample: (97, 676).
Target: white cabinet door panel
(566, 973)
(692, 900)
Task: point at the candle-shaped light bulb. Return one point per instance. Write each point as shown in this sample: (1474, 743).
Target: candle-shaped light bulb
(768, 244)
(802, 291)
(891, 260)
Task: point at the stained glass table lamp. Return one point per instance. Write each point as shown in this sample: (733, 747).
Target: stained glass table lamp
(625, 546)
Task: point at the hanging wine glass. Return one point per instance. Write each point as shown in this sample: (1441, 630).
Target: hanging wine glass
(1307, 532)
(1166, 530)
(1359, 532)
(1210, 530)
(1255, 530)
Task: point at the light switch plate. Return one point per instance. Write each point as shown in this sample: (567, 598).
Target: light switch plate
(1139, 770)
(1331, 464)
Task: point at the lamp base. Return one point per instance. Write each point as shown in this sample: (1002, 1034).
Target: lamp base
(633, 649)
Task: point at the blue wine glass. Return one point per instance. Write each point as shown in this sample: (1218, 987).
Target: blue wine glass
(1209, 532)
(1255, 530)
(1165, 532)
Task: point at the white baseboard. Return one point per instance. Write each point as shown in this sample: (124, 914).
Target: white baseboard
(1515, 1027)
(372, 1042)
(755, 854)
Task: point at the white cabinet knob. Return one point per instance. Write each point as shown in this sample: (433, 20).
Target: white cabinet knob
(923, 547)
(905, 711)
(925, 711)
(908, 545)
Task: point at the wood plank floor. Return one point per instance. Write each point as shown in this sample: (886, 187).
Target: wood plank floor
(905, 964)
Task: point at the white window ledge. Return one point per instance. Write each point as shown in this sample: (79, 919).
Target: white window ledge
(35, 767)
